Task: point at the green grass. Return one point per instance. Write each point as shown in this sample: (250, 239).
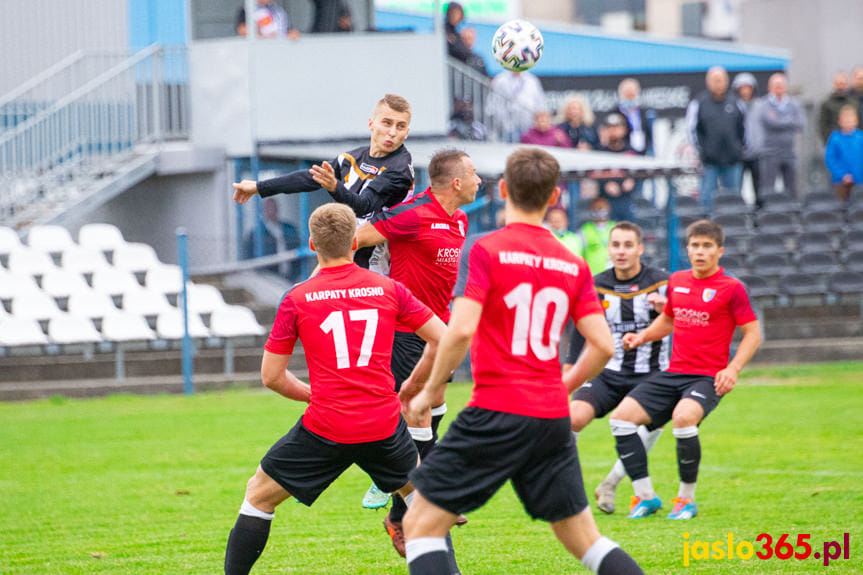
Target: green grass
(138, 485)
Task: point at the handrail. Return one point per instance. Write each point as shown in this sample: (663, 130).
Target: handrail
(42, 77)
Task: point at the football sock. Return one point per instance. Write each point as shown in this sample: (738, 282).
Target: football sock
(575, 435)
(427, 556)
(632, 453)
(688, 453)
(618, 472)
(618, 562)
(247, 539)
(450, 556)
(437, 414)
(398, 508)
(686, 491)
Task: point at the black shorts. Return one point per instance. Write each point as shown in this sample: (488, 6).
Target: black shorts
(483, 449)
(407, 350)
(662, 391)
(305, 463)
(607, 389)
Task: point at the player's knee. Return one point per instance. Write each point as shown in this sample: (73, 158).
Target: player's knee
(580, 414)
(688, 413)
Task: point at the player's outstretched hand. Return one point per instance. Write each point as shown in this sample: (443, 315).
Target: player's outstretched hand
(725, 380)
(245, 190)
(631, 340)
(657, 300)
(324, 175)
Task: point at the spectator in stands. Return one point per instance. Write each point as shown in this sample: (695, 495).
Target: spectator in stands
(828, 117)
(715, 124)
(544, 133)
(577, 121)
(462, 125)
(271, 19)
(614, 185)
(780, 117)
(745, 86)
(332, 16)
(639, 120)
(595, 234)
(844, 153)
(474, 60)
(455, 45)
(857, 88)
(278, 237)
(558, 222)
(514, 98)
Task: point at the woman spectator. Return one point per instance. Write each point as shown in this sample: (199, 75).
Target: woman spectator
(544, 133)
(576, 120)
(844, 153)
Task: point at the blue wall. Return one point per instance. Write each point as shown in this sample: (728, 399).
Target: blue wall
(156, 21)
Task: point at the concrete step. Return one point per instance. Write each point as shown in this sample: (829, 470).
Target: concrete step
(793, 328)
(810, 350)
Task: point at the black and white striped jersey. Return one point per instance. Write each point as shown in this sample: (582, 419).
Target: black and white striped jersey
(627, 310)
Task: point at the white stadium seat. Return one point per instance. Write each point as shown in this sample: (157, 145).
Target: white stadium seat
(21, 331)
(70, 329)
(126, 326)
(135, 257)
(27, 261)
(91, 304)
(62, 283)
(9, 240)
(35, 305)
(145, 302)
(104, 237)
(166, 278)
(14, 284)
(83, 260)
(112, 281)
(50, 239)
(234, 321)
(204, 298)
(169, 325)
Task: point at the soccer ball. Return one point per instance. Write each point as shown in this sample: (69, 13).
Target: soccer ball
(517, 45)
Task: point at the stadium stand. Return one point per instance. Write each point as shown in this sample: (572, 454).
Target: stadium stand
(822, 200)
(771, 243)
(779, 202)
(813, 242)
(69, 330)
(816, 263)
(50, 239)
(21, 335)
(803, 288)
(827, 221)
(776, 223)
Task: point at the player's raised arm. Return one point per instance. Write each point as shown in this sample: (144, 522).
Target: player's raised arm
(598, 349)
(375, 195)
(275, 375)
(727, 378)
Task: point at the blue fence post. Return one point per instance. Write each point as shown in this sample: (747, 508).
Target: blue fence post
(574, 188)
(671, 221)
(239, 166)
(183, 259)
(305, 268)
(258, 249)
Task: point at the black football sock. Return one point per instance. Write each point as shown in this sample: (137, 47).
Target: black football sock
(450, 555)
(688, 453)
(630, 448)
(618, 562)
(398, 509)
(245, 544)
(427, 556)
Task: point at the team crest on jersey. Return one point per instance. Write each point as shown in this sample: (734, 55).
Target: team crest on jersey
(368, 168)
(606, 304)
(708, 294)
(461, 228)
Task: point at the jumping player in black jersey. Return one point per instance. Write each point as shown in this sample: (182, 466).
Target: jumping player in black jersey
(632, 295)
(368, 179)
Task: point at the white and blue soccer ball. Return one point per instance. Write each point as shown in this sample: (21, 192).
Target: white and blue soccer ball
(517, 45)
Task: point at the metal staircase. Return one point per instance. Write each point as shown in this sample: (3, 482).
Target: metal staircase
(88, 128)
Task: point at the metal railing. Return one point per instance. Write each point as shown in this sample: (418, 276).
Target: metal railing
(471, 91)
(142, 99)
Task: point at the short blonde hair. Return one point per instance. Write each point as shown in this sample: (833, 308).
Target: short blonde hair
(395, 103)
(587, 116)
(332, 228)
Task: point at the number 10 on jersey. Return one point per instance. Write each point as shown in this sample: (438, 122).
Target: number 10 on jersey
(531, 315)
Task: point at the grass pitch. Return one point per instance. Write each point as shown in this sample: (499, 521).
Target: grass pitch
(153, 484)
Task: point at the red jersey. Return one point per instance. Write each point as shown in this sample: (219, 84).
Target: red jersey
(529, 283)
(425, 244)
(345, 317)
(705, 313)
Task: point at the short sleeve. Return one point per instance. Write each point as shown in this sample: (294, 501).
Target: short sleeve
(413, 314)
(284, 333)
(741, 309)
(474, 276)
(400, 223)
(586, 300)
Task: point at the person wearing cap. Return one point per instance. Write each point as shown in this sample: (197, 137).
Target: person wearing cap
(746, 87)
(614, 185)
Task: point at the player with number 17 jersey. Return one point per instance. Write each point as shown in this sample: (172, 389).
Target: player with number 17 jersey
(529, 284)
(348, 326)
